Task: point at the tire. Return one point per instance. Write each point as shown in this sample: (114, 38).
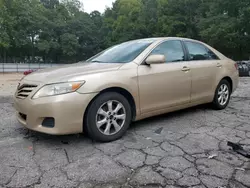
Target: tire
(219, 103)
(102, 112)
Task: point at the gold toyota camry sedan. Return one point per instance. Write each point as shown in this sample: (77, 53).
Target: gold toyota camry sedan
(127, 82)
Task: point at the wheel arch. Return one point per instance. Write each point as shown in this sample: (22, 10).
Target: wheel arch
(229, 80)
(216, 104)
(119, 90)
(218, 82)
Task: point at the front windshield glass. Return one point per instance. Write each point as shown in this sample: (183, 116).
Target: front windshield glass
(122, 53)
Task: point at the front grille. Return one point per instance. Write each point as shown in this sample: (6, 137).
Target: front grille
(24, 90)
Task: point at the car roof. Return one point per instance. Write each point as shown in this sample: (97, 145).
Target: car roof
(158, 39)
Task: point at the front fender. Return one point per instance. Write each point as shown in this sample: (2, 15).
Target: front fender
(125, 79)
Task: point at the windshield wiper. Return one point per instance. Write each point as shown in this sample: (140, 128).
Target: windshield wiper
(96, 61)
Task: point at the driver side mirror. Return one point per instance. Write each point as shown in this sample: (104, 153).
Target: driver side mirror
(155, 59)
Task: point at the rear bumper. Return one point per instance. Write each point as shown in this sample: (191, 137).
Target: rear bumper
(235, 79)
(67, 110)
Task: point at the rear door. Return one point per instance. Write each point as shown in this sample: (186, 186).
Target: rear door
(205, 66)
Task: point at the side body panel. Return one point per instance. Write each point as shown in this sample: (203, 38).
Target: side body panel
(204, 77)
(206, 74)
(125, 78)
(163, 86)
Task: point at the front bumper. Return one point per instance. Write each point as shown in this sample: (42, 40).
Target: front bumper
(67, 110)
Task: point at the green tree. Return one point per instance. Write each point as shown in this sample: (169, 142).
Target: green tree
(123, 21)
(60, 31)
(178, 18)
(6, 27)
(226, 27)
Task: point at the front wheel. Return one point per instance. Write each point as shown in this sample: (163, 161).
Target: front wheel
(222, 95)
(108, 117)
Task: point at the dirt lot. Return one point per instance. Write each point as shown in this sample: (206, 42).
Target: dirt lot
(8, 83)
(171, 150)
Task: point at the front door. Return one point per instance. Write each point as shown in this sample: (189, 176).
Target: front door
(165, 85)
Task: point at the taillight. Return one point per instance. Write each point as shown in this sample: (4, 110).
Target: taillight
(236, 66)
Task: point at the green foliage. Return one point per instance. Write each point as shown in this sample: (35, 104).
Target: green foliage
(69, 44)
(225, 26)
(60, 31)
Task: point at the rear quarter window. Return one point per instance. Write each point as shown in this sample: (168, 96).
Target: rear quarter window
(198, 51)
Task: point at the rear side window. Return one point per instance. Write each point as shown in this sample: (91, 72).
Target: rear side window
(212, 54)
(198, 51)
(172, 50)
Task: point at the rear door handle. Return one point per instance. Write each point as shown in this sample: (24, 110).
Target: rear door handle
(219, 65)
(185, 69)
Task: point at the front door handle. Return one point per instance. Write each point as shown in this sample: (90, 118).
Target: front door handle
(219, 65)
(185, 69)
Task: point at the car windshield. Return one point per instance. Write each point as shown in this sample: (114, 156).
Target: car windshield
(122, 53)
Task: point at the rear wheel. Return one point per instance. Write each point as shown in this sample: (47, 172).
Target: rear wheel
(222, 95)
(108, 117)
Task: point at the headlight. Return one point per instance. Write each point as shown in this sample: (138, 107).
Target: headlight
(57, 89)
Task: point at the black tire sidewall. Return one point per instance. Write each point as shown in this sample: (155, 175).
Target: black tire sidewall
(216, 103)
(90, 123)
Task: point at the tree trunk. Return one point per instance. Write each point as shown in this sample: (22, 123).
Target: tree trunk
(4, 55)
(33, 58)
(44, 61)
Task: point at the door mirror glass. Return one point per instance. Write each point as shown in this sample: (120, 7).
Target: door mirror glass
(156, 59)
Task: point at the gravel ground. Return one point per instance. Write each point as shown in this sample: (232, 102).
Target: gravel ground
(169, 151)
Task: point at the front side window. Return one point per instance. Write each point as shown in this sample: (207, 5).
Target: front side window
(122, 53)
(172, 50)
(198, 51)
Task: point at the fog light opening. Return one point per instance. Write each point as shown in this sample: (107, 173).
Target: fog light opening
(23, 116)
(48, 122)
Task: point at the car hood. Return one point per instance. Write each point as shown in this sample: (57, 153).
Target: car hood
(66, 72)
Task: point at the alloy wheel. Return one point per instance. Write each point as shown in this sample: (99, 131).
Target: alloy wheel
(223, 94)
(110, 117)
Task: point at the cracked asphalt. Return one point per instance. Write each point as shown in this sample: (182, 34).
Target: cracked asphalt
(170, 150)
